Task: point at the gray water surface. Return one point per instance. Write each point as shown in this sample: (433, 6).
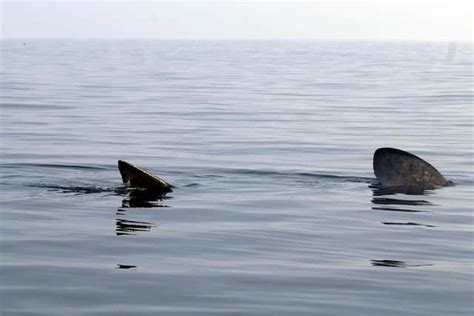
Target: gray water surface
(269, 145)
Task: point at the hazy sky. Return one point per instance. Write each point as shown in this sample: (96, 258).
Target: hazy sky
(450, 20)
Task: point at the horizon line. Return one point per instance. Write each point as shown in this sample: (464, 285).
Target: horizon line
(262, 39)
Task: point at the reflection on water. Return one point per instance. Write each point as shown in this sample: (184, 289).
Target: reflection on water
(393, 204)
(137, 199)
(396, 264)
(128, 227)
(394, 209)
(379, 190)
(125, 227)
(388, 201)
(144, 199)
(126, 266)
(407, 224)
(398, 205)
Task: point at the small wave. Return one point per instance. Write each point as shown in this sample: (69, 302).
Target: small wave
(57, 166)
(192, 185)
(79, 189)
(36, 107)
(394, 209)
(289, 174)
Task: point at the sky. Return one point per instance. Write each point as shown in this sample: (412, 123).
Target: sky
(417, 20)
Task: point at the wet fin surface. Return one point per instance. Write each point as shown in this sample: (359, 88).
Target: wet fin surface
(397, 168)
(138, 177)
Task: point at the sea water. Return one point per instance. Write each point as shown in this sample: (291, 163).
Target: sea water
(269, 145)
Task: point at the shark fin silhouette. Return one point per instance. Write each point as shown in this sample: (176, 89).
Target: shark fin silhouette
(138, 177)
(397, 168)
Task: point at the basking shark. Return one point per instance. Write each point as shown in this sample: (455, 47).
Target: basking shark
(395, 168)
(139, 178)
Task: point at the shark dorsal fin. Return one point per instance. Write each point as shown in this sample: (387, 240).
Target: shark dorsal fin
(138, 177)
(397, 168)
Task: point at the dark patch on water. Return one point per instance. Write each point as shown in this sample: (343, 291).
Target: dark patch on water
(386, 202)
(142, 203)
(378, 190)
(407, 224)
(126, 266)
(129, 227)
(144, 199)
(389, 201)
(396, 264)
(393, 209)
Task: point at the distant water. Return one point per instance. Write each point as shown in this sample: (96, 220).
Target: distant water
(269, 145)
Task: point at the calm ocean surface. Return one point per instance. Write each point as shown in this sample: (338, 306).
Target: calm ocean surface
(269, 145)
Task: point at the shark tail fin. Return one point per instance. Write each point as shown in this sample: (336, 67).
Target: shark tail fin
(139, 177)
